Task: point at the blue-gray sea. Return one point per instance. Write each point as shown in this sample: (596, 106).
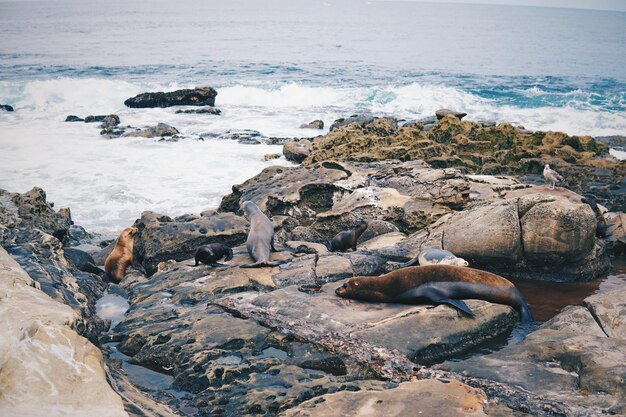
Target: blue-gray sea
(276, 65)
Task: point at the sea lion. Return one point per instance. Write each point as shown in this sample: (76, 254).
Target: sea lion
(434, 256)
(82, 260)
(602, 229)
(210, 254)
(260, 238)
(439, 284)
(347, 239)
(121, 256)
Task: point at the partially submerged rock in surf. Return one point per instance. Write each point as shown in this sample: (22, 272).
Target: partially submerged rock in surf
(199, 96)
(297, 151)
(160, 130)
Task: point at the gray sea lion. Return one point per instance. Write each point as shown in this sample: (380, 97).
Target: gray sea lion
(434, 256)
(82, 260)
(347, 239)
(438, 284)
(210, 254)
(121, 256)
(260, 238)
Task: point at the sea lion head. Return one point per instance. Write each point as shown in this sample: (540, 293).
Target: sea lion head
(361, 226)
(355, 289)
(249, 207)
(128, 235)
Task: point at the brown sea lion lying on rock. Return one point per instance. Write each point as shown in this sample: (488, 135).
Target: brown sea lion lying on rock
(438, 284)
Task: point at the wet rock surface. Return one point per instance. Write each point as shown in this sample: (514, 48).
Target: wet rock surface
(199, 96)
(160, 130)
(576, 357)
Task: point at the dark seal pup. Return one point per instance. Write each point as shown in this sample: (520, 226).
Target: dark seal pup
(260, 238)
(210, 254)
(438, 284)
(347, 239)
(121, 256)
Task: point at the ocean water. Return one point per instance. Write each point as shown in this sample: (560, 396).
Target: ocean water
(276, 65)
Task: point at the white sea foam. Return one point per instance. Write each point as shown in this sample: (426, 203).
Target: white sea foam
(112, 307)
(108, 183)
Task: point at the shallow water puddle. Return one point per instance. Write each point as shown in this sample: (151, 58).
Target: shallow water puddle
(112, 307)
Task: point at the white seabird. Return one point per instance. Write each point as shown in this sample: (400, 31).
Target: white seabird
(551, 176)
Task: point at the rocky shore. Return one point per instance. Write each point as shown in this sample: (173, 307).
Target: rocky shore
(277, 340)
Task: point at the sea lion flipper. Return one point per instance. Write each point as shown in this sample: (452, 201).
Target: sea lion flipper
(412, 262)
(272, 245)
(215, 264)
(459, 305)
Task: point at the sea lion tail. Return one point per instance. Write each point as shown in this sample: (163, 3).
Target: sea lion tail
(524, 311)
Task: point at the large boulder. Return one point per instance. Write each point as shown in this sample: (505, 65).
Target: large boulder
(161, 238)
(199, 96)
(530, 233)
(297, 151)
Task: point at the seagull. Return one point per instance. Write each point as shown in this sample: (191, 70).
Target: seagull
(551, 176)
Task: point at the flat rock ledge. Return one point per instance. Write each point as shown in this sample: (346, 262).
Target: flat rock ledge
(45, 364)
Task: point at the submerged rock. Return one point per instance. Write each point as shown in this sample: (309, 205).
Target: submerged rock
(160, 130)
(72, 118)
(6, 107)
(199, 96)
(206, 110)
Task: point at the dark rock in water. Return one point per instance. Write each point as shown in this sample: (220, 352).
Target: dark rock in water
(162, 129)
(207, 110)
(199, 96)
(72, 118)
(297, 151)
(110, 121)
(315, 124)
(441, 113)
(95, 119)
(617, 141)
(6, 107)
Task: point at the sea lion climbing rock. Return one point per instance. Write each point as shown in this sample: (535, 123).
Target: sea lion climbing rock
(347, 239)
(121, 256)
(260, 238)
(439, 284)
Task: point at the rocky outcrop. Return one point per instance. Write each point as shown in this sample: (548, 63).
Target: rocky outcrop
(297, 151)
(494, 150)
(315, 124)
(199, 96)
(617, 228)
(45, 364)
(161, 238)
(160, 130)
(330, 197)
(577, 357)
